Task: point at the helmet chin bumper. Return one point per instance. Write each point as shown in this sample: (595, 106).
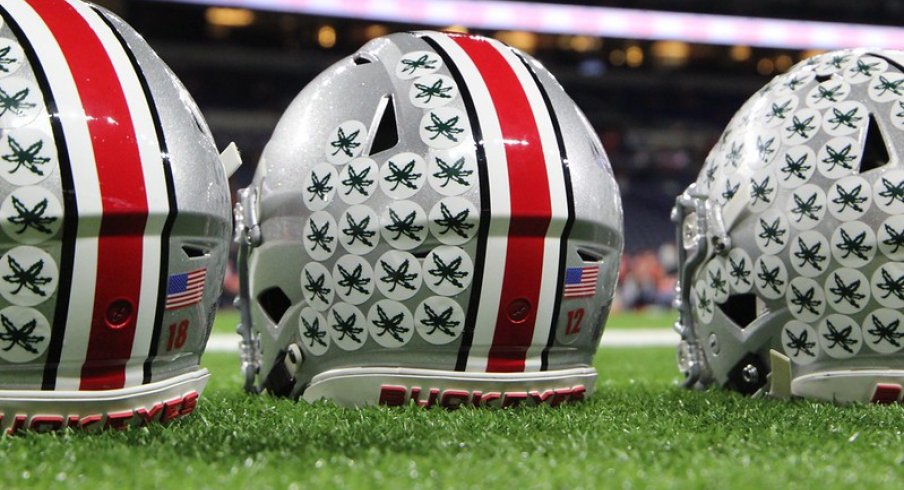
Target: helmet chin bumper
(160, 402)
(355, 387)
(877, 386)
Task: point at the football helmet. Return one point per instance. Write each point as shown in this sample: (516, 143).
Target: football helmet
(115, 221)
(791, 240)
(433, 220)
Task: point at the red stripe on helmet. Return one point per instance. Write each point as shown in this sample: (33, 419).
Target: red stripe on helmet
(531, 209)
(122, 188)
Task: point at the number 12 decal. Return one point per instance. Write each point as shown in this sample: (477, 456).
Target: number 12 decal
(574, 321)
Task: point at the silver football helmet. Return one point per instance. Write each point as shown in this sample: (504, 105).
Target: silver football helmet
(433, 220)
(115, 224)
(792, 238)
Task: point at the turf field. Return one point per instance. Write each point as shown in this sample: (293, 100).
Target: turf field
(650, 318)
(638, 431)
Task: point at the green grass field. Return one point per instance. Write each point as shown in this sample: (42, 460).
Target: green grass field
(650, 318)
(639, 431)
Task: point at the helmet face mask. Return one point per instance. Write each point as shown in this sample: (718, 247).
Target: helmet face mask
(790, 282)
(411, 242)
(115, 225)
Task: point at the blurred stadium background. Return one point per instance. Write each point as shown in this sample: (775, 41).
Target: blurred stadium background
(658, 79)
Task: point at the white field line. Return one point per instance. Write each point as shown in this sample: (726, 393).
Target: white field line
(640, 337)
(223, 342)
(635, 337)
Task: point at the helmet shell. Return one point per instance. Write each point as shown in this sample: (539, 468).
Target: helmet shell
(419, 210)
(806, 182)
(115, 216)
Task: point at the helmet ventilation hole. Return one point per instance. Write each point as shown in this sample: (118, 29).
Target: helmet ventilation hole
(275, 303)
(875, 150)
(194, 252)
(740, 308)
(588, 256)
(361, 60)
(387, 134)
(197, 123)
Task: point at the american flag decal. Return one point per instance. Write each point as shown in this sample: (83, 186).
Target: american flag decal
(580, 282)
(185, 289)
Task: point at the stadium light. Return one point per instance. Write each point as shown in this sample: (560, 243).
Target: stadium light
(593, 21)
(229, 17)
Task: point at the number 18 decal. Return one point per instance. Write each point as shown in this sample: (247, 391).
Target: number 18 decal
(178, 334)
(574, 321)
